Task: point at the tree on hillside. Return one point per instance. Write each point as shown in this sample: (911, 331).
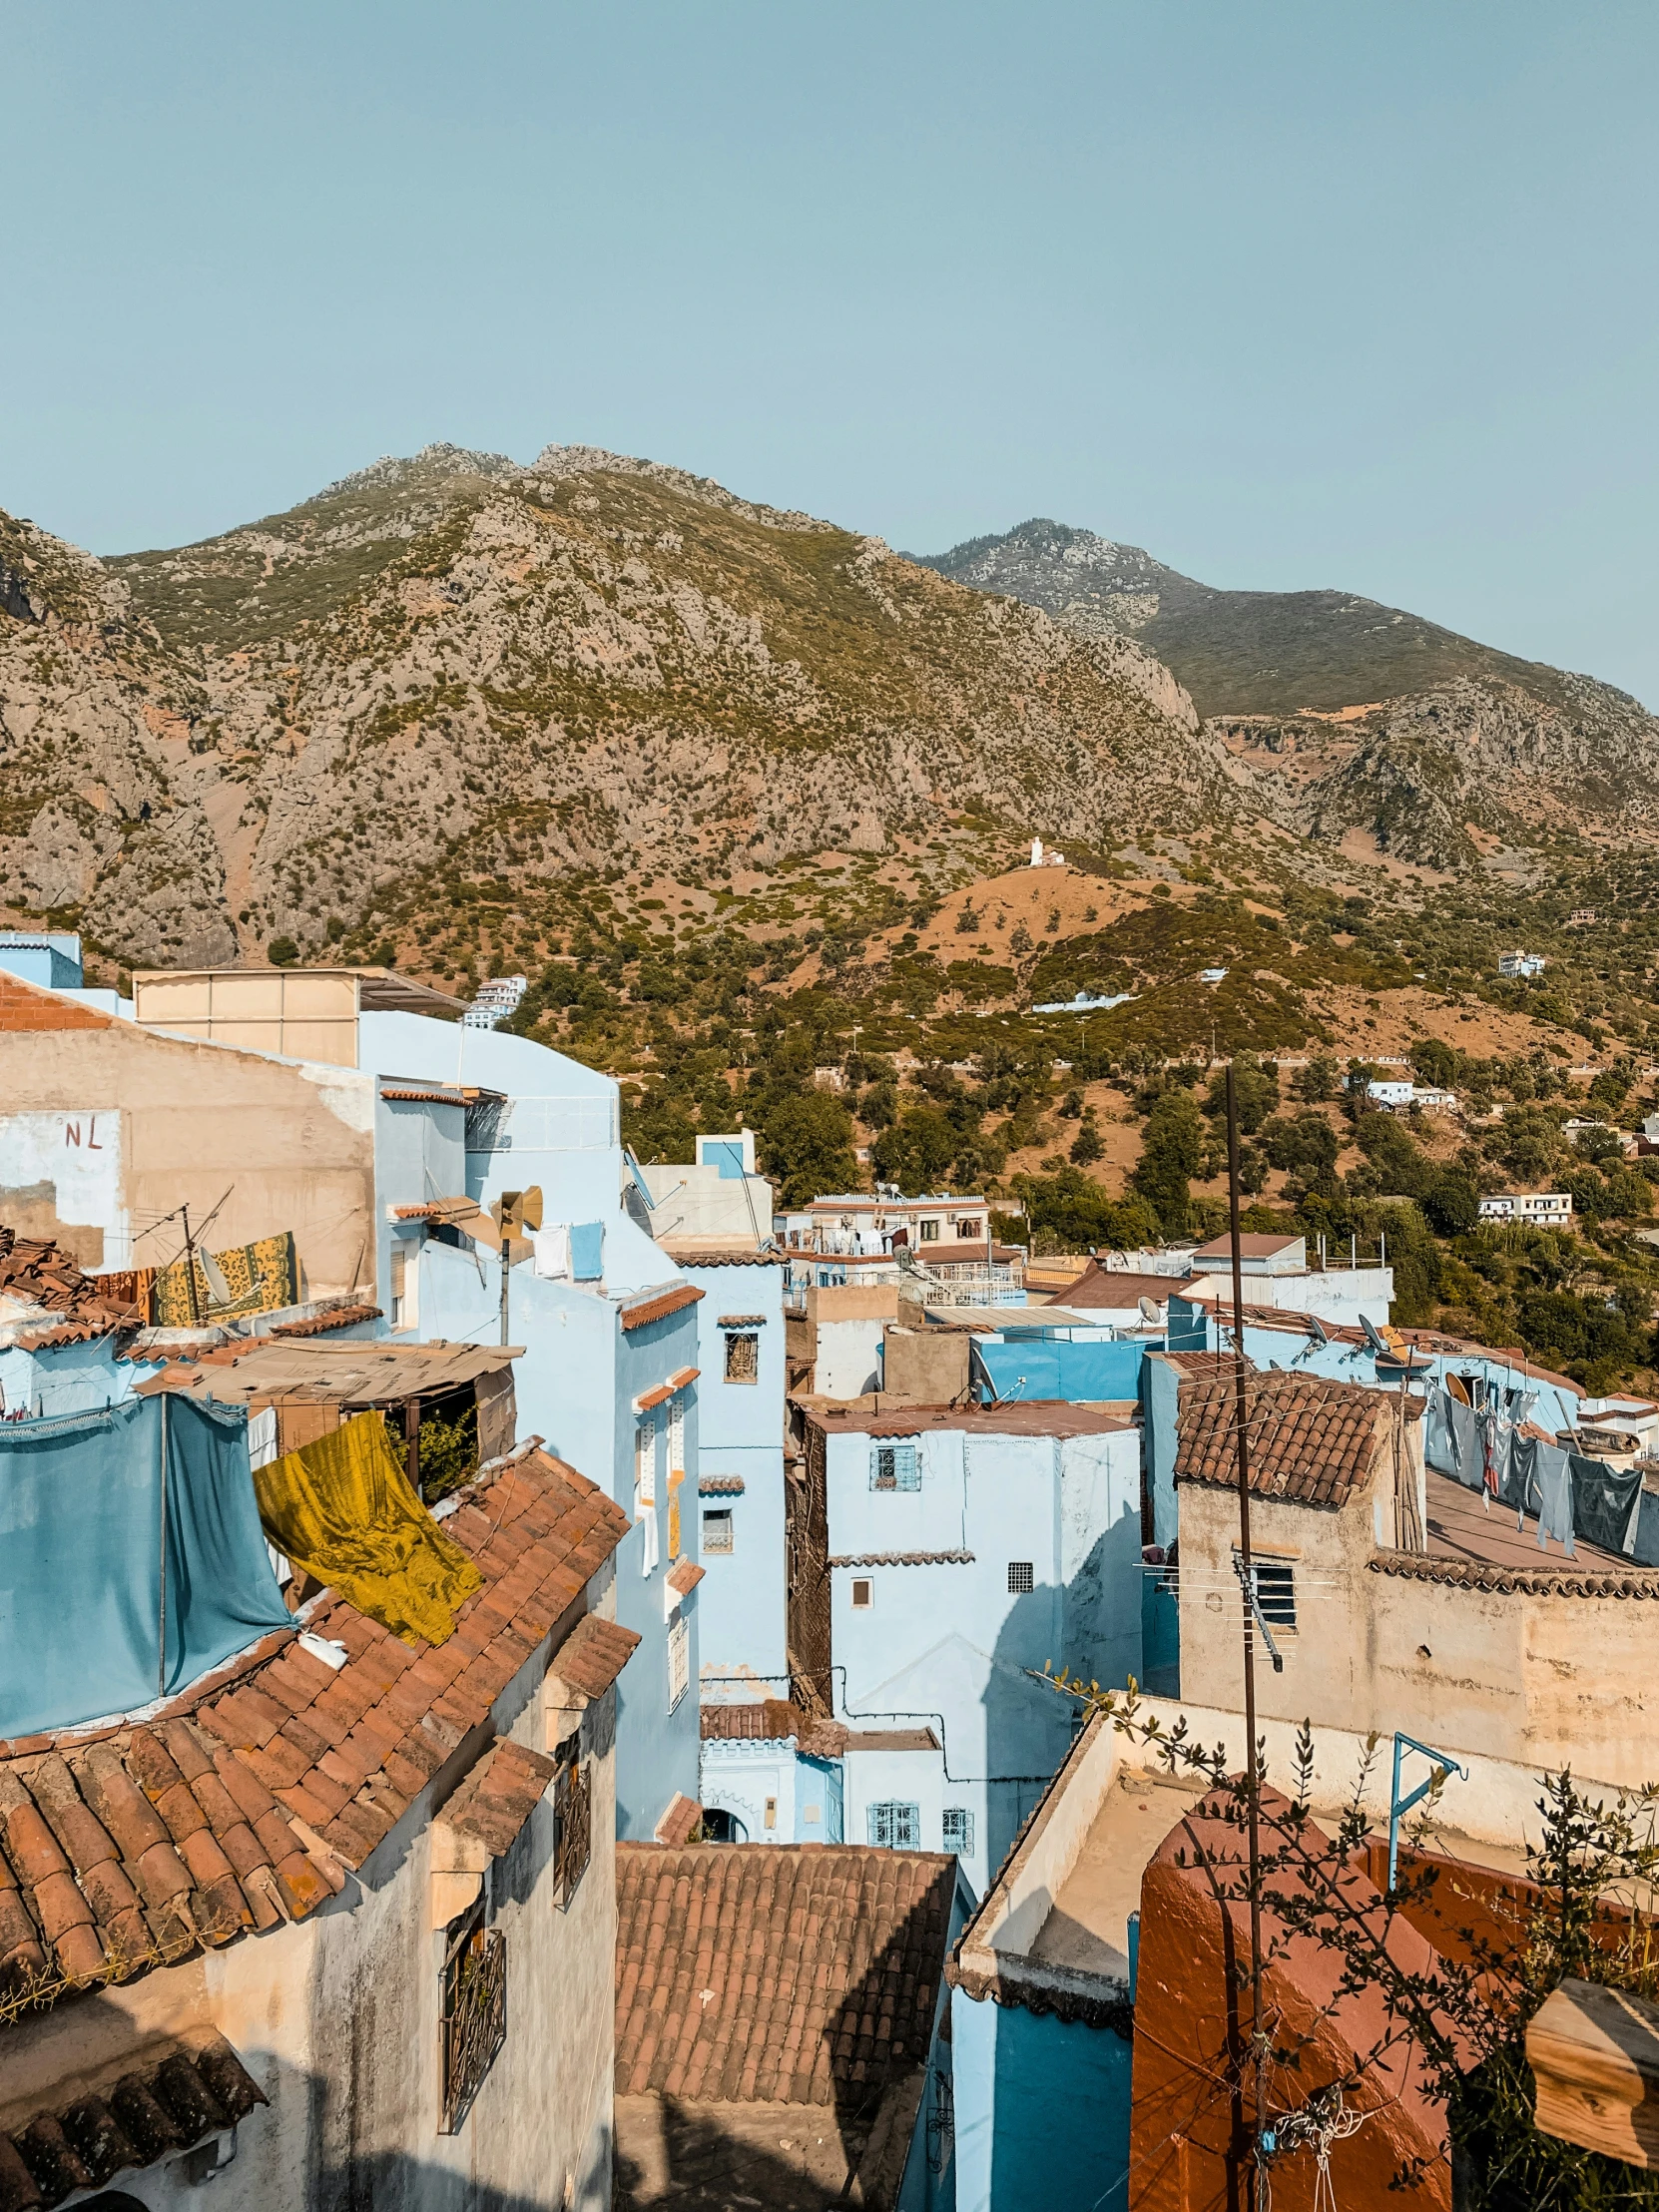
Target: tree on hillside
(1434, 1063)
(916, 1151)
(1170, 1159)
(806, 1143)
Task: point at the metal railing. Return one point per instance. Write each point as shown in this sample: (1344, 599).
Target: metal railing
(474, 2015)
(573, 1846)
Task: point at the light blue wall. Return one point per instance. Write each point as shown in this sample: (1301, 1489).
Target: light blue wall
(52, 959)
(949, 1645)
(581, 1371)
(742, 1434)
(67, 1379)
(739, 1775)
(1042, 2111)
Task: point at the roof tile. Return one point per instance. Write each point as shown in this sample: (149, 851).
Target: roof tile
(197, 1807)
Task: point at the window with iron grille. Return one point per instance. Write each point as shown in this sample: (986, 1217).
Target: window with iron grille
(1022, 1578)
(895, 1826)
(1275, 1591)
(958, 1830)
(894, 1468)
(743, 1357)
(931, 1232)
(472, 2013)
(716, 1530)
(573, 1824)
(941, 2122)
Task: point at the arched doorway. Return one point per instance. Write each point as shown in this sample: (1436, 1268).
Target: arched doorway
(721, 1826)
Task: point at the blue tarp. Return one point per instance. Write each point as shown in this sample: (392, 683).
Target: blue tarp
(81, 1515)
(1056, 1368)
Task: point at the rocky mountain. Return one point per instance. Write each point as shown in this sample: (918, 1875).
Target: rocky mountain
(453, 667)
(1349, 716)
(441, 706)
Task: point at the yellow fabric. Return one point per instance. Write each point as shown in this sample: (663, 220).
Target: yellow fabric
(342, 1509)
(261, 1277)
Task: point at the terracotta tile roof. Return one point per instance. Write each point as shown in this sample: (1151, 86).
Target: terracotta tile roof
(659, 1304)
(1539, 1582)
(433, 1209)
(901, 1560)
(773, 1720)
(1307, 1439)
(690, 1254)
(421, 1098)
(682, 1818)
(741, 1320)
(153, 2111)
(38, 1271)
(235, 1808)
(824, 1961)
(684, 1576)
(319, 1325)
(499, 1794)
(658, 1396)
(720, 1485)
(1101, 1286)
(594, 1654)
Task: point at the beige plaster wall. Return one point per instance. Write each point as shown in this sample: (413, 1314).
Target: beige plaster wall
(1543, 1681)
(294, 1143)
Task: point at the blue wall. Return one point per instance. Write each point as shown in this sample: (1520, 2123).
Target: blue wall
(947, 1643)
(1042, 2111)
(741, 1433)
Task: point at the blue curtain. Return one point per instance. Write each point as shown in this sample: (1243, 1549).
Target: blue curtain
(81, 1520)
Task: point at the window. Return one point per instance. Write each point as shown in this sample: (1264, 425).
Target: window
(970, 1232)
(958, 1830)
(929, 1232)
(573, 1821)
(717, 1531)
(1022, 1581)
(860, 1593)
(679, 1660)
(743, 1357)
(771, 1813)
(403, 1281)
(895, 1826)
(941, 2122)
(472, 2012)
(894, 1468)
(1275, 1591)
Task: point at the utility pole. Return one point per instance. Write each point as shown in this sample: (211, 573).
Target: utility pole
(189, 1271)
(1253, 1780)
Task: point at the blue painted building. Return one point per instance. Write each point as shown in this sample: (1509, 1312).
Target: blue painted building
(939, 1557)
(1042, 1997)
(740, 1472)
(610, 1374)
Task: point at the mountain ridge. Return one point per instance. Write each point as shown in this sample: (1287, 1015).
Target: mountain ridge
(1219, 641)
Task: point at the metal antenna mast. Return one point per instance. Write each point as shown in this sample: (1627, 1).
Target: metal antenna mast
(1246, 1577)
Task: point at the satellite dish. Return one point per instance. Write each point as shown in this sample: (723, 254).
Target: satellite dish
(1375, 1342)
(1149, 1311)
(1314, 1329)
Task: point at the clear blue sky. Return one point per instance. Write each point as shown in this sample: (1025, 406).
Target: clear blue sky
(1289, 295)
